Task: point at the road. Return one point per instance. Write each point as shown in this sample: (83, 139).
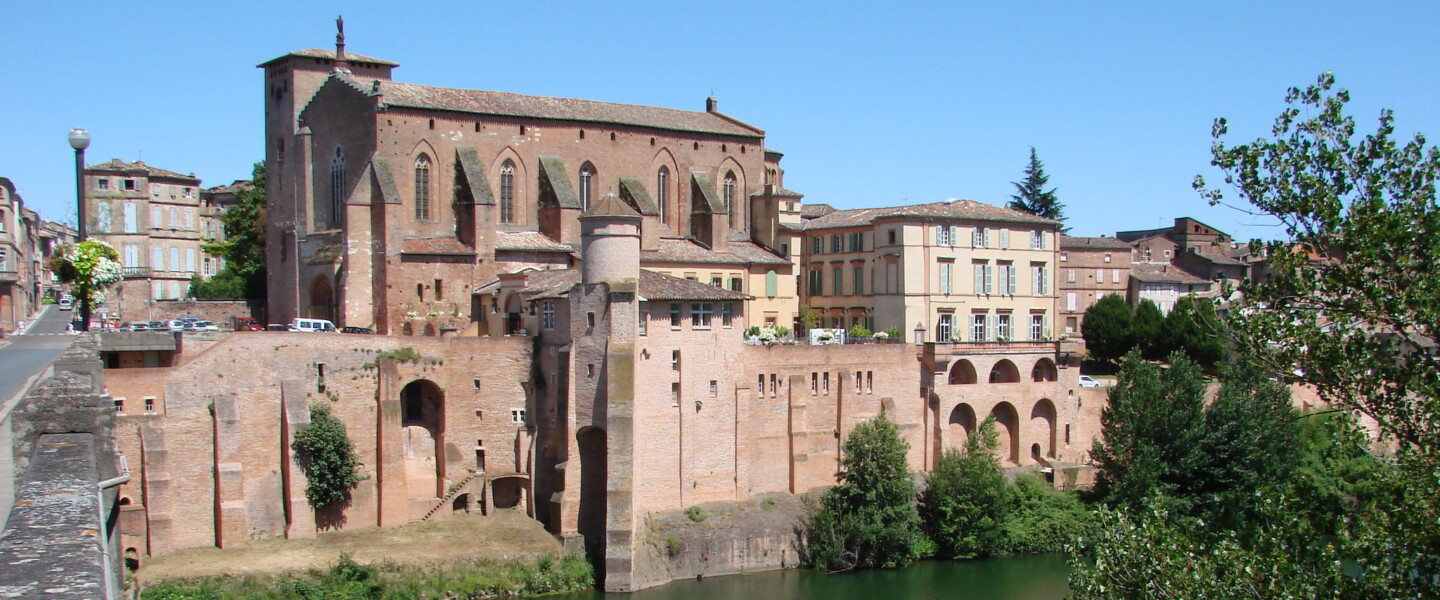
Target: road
(20, 359)
(27, 354)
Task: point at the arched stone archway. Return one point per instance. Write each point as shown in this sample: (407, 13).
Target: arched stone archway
(1007, 420)
(1044, 370)
(461, 503)
(594, 452)
(507, 492)
(962, 372)
(960, 425)
(422, 430)
(322, 299)
(1004, 372)
(1042, 419)
(514, 314)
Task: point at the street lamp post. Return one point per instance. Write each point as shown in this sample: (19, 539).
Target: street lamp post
(80, 140)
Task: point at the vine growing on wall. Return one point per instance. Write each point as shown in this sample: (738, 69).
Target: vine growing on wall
(327, 456)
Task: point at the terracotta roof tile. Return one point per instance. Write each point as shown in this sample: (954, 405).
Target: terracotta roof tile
(685, 251)
(567, 109)
(955, 209)
(529, 240)
(138, 167)
(330, 54)
(555, 284)
(440, 246)
(1164, 274)
(1092, 243)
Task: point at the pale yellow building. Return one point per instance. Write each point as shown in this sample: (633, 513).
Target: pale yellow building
(958, 271)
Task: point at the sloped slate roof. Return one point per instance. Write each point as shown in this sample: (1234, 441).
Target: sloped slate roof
(1220, 259)
(530, 241)
(1092, 243)
(956, 209)
(567, 109)
(633, 192)
(330, 54)
(555, 184)
(554, 284)
(117, 165)
(1164, 274)
(685, 251)
(473, 173)
(701, 182)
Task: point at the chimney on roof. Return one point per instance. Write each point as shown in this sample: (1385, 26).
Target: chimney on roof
(710, 104)
(340, 64)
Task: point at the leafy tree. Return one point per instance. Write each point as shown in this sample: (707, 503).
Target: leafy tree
(965, 500)
(1032, 197)
(1108, 328)
(1040, 519)
(1193, 328)
(89, 267)
(1251, 443)
(1337, 477)
(1145, 330)
(244, 245)
(221, 287)
(1350, 311)
(869, 520)
(327, 457)
(1152, 429)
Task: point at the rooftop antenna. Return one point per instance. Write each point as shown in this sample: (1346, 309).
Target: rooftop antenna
(142, 156)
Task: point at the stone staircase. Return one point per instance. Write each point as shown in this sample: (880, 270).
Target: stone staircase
(455, 490)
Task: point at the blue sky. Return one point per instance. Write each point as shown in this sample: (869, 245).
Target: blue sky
(873, 104)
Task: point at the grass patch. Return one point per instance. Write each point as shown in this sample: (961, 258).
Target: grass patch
(348, 580)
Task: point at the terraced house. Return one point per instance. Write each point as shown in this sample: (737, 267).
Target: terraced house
(958, 270)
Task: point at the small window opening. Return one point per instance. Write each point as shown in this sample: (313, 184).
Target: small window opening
(476, 383)
(522, 130)
(612, 137)
(697, 145)
(477, 126)
(419, 291)
(590, 319)
(714, 388)
(582, 134)
(150, 404)
(439, 289)
(590, 369)
(652, 141)
(675, 360)
(432, 123)
(479, 414)
(724, 147)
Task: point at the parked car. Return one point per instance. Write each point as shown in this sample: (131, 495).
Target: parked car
(157, 325)
(205, 326)
(366, 330)
(175, 325)
(277, 327)
(1087, 382)
(66, 303)
(313, 325)
(248, 324)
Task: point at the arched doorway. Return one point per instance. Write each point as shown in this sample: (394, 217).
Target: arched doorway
(1044, 370)
(507, 492)
(1008, 422)
(1042, 419)
(422, 419)
(592, 445)
(514, 315)
(322, 299)
(962, 372)
(1004, 372)
(961, 425)
(461, 503)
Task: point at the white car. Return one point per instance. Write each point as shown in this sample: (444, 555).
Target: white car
(66, 303)
(1087, 382)
(312, 325)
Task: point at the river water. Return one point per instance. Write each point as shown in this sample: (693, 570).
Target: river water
(1030, 577)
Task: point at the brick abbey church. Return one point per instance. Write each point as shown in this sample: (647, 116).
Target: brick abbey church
(575, 279)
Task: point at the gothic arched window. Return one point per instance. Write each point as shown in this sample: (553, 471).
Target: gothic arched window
(728, 191)
(587, 173)
(507, 192)
(662, 193)
(337, 185)
(422, 188)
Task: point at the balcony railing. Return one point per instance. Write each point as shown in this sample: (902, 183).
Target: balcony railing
(136, 272)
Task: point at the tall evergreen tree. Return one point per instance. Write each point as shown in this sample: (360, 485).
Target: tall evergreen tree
(1107, 328)
(1192, 327)
(1032, 197)
(1145, 330)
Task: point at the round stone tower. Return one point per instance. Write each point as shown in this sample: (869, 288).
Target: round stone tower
(610, 242)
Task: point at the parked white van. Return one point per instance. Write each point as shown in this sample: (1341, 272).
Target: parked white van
(312, 325)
